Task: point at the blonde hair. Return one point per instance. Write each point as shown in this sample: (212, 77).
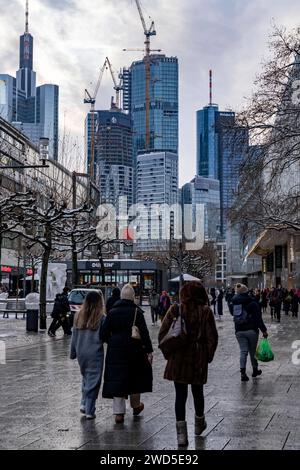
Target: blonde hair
(127, 293)
(91, 312)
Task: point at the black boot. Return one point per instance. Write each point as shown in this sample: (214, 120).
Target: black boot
(244, 376)
(256, 372)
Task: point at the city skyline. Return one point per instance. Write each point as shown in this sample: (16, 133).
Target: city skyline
(236, 34)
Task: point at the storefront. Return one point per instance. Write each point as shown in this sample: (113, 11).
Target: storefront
(142, 275)
(12, 280)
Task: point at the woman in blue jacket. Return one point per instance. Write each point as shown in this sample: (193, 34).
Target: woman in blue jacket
(87, 347)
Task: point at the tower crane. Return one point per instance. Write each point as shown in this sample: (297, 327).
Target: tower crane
(117, 86)
(148, 32)
(91, 100)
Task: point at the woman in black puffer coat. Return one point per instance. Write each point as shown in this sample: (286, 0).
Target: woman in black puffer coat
(128, 370)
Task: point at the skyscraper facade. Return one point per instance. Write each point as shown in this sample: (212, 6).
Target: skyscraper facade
(157, 184)
(34, 110)
(113, 145)
(204, 191)
(163, 104)
(221, 147)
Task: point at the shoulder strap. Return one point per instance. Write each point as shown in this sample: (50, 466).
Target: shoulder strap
(135, 314)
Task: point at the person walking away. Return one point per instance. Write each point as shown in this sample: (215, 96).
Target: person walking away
(60, 313)
(220, 303)
(189, 365)
(287, 299)
(295, 305)
(164, 304)
(264, 300)
(154, 304)
(128, 370)
(214, 299)
(229, 296)
(248, 321)
(115, 296)
(277, 299)
(87, 348)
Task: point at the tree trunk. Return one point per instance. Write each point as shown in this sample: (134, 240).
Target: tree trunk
(74, 263)
(102, 267)
(32, 275)
(43, 289)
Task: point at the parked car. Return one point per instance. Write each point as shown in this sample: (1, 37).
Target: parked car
(77, 296)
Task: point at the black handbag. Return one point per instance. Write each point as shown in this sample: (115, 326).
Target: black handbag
(176, 337)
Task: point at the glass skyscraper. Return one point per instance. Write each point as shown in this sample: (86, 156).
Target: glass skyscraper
(33, 110)
(163, 104)
(113, 145)
(221, 147)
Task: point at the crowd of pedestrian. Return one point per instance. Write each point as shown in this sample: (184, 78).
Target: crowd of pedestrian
(126, 368)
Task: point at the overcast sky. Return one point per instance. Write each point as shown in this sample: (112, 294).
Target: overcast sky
(72, 38)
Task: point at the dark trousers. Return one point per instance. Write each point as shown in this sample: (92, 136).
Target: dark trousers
(154, 314)
(277, 309)
(57, 323)
(181, 398)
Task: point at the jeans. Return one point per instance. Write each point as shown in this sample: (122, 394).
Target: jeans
(181, 397)
(90, 392)
(248, 343)
(119, 404)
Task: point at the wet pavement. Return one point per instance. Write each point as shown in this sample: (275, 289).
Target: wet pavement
(40, 397)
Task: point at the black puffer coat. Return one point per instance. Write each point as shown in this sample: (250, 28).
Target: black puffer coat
(127, 369)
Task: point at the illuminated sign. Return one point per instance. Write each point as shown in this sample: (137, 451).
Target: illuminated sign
(6, 269)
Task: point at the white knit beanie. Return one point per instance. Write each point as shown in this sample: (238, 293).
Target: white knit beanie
(127, 293)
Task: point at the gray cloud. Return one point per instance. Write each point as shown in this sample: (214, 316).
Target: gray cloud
(229, 36)
(59, 4)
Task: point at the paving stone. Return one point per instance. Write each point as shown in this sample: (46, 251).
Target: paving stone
(40, 396)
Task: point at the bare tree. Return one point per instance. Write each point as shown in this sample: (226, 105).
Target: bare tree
(269, 190)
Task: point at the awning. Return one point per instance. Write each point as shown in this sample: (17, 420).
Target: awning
(267, 241)
(186, 278)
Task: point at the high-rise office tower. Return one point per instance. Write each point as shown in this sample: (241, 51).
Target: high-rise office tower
(163, 104)
(26, 77)
(113, 145)
(157, 184)
(221, 147)
(34, 110)
(204, 191)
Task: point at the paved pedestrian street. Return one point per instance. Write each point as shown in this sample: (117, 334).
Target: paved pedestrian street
(40, 397)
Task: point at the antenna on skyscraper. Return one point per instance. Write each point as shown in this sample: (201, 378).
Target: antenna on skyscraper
(26, 18)
(210, 87)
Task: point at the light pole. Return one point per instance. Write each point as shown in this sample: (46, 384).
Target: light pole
(75, 175)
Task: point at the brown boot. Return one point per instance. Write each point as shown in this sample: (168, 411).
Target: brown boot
(138, 410)
(200, 425)
(182, 438)
(119, 419)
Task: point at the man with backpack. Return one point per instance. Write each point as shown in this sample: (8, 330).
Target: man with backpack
(248, 321)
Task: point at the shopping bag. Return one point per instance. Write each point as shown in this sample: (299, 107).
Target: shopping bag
(176, 338)
(264, 352)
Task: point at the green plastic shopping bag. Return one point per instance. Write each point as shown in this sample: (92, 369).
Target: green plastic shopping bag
(264, 352)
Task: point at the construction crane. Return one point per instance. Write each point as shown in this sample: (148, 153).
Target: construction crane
(148, 32)
(117, 86)
(91, 100)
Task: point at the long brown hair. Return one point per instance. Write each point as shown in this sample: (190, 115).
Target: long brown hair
(91, 312)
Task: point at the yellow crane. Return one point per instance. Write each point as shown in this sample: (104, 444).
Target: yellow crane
(148, 32)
